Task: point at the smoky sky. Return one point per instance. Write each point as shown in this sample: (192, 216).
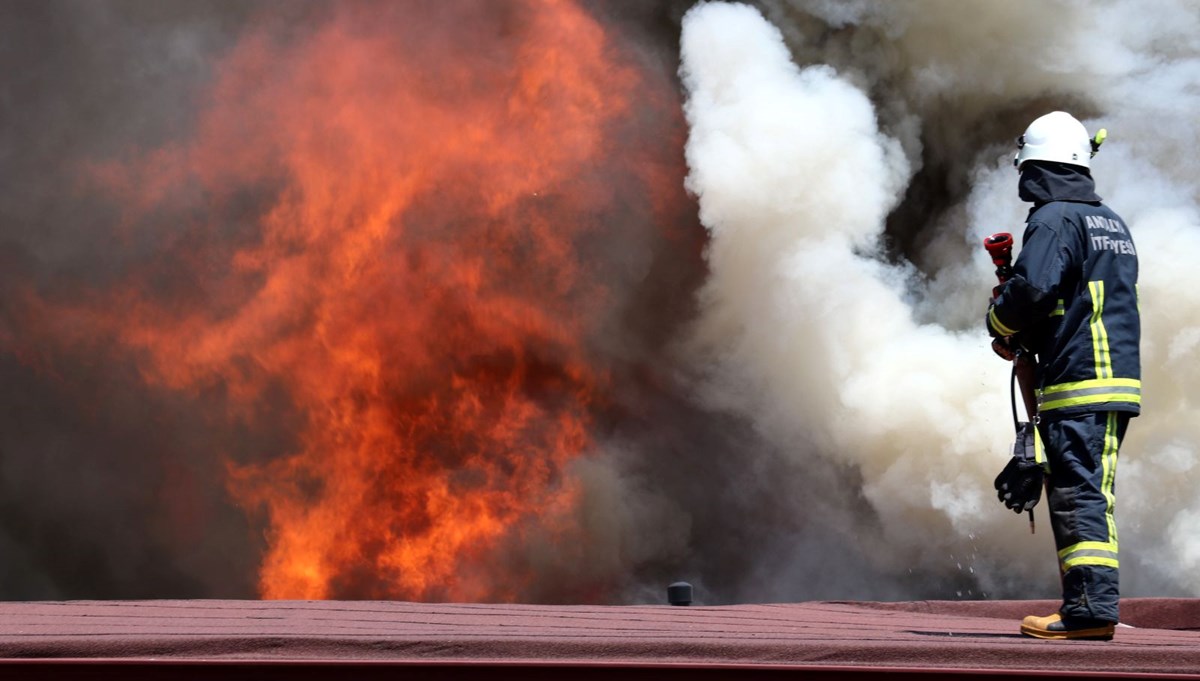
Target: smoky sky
(842, 305)
(721, 454)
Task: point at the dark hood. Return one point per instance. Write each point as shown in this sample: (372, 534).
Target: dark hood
(1045, 181)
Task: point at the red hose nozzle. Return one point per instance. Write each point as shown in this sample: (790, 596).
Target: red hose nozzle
(999, 246)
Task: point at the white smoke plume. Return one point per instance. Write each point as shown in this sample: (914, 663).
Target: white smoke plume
(848, 158)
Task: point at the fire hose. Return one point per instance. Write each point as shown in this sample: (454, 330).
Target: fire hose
(999, 247)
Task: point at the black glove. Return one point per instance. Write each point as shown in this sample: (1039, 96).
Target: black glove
(1019, 485)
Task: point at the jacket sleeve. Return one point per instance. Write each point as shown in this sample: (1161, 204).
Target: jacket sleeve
(1032, 293)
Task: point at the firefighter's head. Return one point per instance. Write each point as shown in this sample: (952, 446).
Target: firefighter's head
(1057, 137)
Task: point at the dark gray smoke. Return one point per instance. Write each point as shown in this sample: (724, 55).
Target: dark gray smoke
(105, 487)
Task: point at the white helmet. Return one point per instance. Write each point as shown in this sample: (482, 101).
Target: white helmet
(1058, 137)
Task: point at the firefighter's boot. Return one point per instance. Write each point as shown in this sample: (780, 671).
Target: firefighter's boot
(1055, 627)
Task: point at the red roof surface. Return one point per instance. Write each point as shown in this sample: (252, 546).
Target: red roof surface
(931, 635)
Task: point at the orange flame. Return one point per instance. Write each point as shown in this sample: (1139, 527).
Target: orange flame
(415, 285)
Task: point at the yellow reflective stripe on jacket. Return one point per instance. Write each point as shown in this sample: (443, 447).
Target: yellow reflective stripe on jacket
(1099, 334)
(1060, 309)
(997, 325)
(1092, 391)
(1089, 553)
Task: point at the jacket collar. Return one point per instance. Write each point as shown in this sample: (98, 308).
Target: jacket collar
(1045, 181)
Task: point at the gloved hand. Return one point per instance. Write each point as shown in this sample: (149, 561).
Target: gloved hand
(1019, 485)
(1005, 347)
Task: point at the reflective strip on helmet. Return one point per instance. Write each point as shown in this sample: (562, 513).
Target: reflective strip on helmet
(1093, 391)
(1089, 553)
(998, 325)
(1099, 334)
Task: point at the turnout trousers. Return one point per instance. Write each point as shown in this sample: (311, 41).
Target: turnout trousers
(1080, 489)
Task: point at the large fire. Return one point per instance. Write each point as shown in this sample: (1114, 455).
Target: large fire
(416, 282)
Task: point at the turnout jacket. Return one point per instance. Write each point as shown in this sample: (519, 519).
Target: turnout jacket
(1072, 299)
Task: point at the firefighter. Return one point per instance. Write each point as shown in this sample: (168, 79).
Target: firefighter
(1072, 305)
